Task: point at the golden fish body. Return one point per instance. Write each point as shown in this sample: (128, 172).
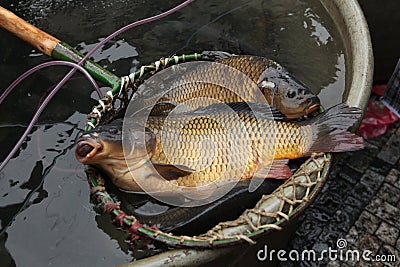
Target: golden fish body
(237, 79)
(212, 146)
(206, 145)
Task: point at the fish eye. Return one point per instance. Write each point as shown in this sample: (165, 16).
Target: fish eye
(291, 94)
(113, 130)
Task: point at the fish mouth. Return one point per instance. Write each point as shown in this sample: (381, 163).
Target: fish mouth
(304, 109)
(313, 105)
(87, 148)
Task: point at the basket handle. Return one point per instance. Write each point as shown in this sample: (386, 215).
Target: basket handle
(53, 47)
(42, 41)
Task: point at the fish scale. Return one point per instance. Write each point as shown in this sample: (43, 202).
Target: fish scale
(253, 67)
(183, 135)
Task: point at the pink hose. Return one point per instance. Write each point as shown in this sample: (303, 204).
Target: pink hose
(77, 66)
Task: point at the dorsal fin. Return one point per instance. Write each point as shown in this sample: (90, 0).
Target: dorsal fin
(215, 55)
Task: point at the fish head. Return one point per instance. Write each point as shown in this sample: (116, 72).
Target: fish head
(100, 145)
(287, 94)
(104, 144)
(103, 147)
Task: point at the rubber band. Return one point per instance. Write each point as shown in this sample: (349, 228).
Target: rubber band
(131, 77)
(95, 110)
(157, 63)
(122, 84)
(110, 94)
(141, 71)
(102, 105)
(127, 82)
(91, 124)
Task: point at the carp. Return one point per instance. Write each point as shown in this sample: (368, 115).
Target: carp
(214, 145)
(232, 79)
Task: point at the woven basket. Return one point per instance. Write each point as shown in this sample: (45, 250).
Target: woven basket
(269, 214)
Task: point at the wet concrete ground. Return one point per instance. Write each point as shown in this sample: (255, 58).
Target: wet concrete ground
(360, 203)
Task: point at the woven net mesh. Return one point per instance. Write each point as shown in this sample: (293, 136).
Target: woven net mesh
(269, 214)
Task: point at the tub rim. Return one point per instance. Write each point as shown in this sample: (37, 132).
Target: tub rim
(352, 25)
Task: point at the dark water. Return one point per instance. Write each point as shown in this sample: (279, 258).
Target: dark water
(43, 191)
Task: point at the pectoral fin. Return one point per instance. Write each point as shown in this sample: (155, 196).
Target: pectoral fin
(278, 170)
(172, 172)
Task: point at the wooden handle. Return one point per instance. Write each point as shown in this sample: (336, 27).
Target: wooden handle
(27, 32)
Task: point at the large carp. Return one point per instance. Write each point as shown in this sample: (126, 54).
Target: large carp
(214, 145)
(232, 79)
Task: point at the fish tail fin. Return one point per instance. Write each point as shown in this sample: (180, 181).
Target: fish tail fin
(329, 130)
